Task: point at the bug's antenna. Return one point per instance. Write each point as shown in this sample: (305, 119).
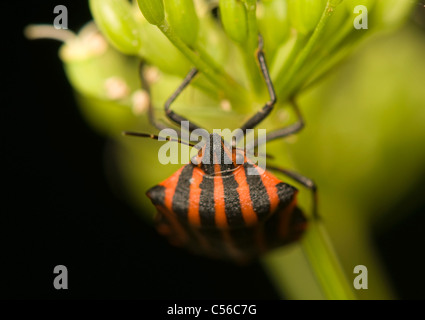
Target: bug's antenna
(155, 137)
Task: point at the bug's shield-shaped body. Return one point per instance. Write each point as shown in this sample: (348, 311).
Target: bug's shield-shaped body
(217, 208)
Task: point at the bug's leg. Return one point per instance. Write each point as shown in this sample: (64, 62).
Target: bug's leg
(268, 107)
(174, 117)
(306, 182)
(285, 131)
(151, 113)
(291, 129)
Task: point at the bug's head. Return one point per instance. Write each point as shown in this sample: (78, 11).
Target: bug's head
(217, 157)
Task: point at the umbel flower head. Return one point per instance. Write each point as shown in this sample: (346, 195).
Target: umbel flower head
(303, 41)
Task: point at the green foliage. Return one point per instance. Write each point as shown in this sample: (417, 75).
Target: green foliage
(182, 17)
(153, 10)
(234, 20)
(115, 19)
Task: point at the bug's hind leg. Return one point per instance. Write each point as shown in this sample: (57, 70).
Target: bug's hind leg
(306, 182)
(288, 130)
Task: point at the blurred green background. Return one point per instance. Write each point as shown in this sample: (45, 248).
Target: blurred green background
(364, 144)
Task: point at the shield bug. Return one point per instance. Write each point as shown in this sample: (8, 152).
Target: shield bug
(214, 206)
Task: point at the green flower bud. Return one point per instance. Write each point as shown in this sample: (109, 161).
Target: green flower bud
(153, 10)
(305, 14)
(155, 43)
(234, 19)
(116, 21)
(273, 22)
(181, 15)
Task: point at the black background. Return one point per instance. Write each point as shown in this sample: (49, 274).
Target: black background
(57, 207)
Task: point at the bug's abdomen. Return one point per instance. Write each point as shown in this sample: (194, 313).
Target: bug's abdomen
(239, 199)
(242, 244)
(239, 214)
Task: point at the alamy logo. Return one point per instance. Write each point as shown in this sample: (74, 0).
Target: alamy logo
(360, 281)
(61, 20)
(361, 21)
(61, 280)
(211, 144)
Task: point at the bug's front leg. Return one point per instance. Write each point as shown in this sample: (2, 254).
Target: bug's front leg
(268, 106)
(174, 117)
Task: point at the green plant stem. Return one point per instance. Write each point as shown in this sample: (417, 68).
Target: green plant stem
(328, 57)
(326, 68)
(325, 264)
(249, 49)
(309, 47)
(310, 264)
(282, 73)
(231, 89)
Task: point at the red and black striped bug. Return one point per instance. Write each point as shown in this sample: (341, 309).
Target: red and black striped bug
(214, 207)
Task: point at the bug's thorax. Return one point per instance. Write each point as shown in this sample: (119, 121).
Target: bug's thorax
(217, 158)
